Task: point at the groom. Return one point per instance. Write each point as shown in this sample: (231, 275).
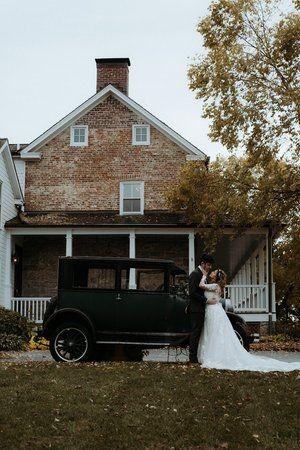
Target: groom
(196, 305)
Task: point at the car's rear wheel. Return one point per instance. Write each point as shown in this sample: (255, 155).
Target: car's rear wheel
(242, 336)
(71, 342)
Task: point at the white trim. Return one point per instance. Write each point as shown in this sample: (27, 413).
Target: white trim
(12, 173)
(91, 103)
(263, 317)
(85, 231)
(134, 128)
(191, 251)
(132, 272)
(8, 271)
(86, 136)
(194, 158)
(130, 213)
(1, 202)
(69, 243)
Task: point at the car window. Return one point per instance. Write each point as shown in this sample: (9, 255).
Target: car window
(92, 277)
(141, 279)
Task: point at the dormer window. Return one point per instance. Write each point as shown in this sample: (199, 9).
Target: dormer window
(79, 135)
(132, 197)
(140, 135)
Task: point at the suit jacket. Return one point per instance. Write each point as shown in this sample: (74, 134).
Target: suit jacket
(197, 300)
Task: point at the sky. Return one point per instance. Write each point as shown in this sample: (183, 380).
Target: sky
(48, 50)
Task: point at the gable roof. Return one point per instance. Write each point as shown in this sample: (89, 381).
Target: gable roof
(11, 170)
(31, 151)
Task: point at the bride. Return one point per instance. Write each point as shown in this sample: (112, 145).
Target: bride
(219, 347)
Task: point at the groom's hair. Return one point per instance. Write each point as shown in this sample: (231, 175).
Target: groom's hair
(206, 258)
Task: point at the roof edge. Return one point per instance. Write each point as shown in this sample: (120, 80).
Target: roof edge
(131, 104)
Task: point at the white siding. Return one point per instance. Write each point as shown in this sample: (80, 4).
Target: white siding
(20, 169)
(8, 211)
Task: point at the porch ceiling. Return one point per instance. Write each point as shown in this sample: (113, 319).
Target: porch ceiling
(232, 253)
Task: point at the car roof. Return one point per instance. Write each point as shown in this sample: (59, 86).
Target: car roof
(117, 260)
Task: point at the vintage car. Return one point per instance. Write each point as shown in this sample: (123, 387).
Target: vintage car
(102, 303)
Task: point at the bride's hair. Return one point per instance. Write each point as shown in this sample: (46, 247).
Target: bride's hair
(221, 279)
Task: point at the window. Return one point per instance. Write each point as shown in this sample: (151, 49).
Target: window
(140, 135)
(79, 135)
(90, 277)
(150, 280)
(132, 197)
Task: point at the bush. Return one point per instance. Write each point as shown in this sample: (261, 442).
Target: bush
(288, 329)
(12, 322)
(10, 342)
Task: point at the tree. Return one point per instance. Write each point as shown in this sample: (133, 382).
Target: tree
(249, 83)
(249, 77)
(232, 191)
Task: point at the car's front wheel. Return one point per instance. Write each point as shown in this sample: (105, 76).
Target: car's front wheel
(71, 342)
(242, 336)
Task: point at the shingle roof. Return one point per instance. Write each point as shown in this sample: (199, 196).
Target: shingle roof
(96, 219)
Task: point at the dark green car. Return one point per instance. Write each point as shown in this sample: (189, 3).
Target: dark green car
(130, 303)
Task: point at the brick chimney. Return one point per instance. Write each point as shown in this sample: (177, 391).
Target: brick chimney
(113, 71)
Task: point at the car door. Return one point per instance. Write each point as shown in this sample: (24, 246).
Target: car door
(94, 293)
(143, 302)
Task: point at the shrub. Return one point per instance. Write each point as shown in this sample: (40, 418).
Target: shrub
(12, 323)
(288, 329)
(10, 342)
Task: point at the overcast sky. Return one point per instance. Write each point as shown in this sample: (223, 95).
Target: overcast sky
(48, 50)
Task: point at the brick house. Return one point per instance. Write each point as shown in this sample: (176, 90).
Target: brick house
(94, 184)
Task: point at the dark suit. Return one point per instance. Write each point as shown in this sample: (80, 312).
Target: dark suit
(196, 310)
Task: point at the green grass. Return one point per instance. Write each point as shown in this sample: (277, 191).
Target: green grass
(145, 406)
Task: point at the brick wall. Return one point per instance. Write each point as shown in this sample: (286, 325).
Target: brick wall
(87, 178)
(40, 264)
(110, 246)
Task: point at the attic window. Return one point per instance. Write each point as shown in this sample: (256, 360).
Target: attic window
(79, 136)
(140, 135)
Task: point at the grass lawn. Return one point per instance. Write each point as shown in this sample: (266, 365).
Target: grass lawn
(145, 406)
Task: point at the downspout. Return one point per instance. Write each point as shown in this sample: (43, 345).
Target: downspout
(270, 280)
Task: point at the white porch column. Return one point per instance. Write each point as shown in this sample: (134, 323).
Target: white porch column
(69, 246)
(8, 272)
(191, 251)
(132, 283)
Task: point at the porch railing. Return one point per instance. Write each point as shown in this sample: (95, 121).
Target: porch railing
(31, 307)
(248, 297)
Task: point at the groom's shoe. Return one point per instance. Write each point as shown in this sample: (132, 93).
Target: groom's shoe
(193, 361)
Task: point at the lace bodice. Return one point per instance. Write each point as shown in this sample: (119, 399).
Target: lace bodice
(214, 292)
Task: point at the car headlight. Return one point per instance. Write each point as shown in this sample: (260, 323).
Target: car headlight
(227, 305)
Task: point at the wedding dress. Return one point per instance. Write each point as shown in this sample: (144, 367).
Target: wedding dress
(219, 347)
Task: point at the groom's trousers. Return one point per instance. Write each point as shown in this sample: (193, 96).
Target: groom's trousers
(196, 323)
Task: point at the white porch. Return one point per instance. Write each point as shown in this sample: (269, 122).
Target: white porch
(246, 259)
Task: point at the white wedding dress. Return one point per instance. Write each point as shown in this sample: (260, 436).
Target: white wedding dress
(219, 347)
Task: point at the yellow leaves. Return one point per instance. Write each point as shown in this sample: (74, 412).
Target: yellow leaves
(37, 343)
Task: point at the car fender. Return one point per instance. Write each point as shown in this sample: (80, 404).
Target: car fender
(235, 318)
(66, 314)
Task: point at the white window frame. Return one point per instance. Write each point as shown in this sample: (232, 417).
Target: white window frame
(86, 140)
(134, 128)
(130, 213)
